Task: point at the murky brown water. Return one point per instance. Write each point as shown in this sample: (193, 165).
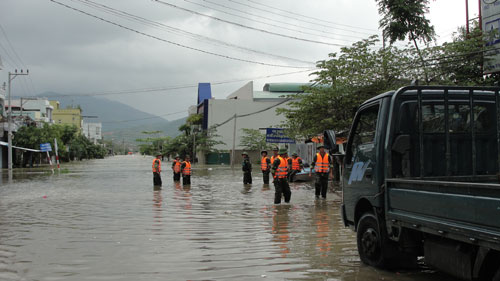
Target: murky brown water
(103, 221)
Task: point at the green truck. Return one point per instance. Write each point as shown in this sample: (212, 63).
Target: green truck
(421, 179)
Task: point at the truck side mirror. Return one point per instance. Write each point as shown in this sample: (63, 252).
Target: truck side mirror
(330, 140)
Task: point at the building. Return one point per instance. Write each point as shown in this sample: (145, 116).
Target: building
(254, 110)
(93, 131)
(68, 116)
(38, 109)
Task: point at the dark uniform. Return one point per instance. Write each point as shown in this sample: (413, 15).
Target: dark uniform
(186, 172)
(280, 173)
(322, 165)
(295, 165)
(265, 167)
(246, 167)
(156, 172)
(176, 168)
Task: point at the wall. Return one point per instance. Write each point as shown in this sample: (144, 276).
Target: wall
(68, 116)
(221, 110)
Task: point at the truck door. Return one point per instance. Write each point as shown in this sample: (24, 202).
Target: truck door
(360, 160)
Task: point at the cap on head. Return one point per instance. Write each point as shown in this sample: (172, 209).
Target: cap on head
(283, 151)
(177, 156)
(244, 153)
(320, 146)
(295, 154)
(275, 148)
(158, 154)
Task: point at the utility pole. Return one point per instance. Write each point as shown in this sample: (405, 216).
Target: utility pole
(12, 76)
(234, 142)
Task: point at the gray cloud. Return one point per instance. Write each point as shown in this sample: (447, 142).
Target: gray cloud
(68, 52)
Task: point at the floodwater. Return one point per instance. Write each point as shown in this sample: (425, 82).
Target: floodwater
(104, 221)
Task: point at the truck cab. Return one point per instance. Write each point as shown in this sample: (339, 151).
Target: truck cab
(420, 178)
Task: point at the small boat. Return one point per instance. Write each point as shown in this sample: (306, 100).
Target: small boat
(304, 175)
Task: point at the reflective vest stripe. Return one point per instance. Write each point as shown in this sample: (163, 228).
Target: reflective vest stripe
(273, 158)
(296, 164)
(156, 165)
(282, 170)
(187, 169)
(263, 164)
(322, 163)
(177, 166)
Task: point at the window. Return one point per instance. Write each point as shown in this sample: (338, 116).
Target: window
(363, 138)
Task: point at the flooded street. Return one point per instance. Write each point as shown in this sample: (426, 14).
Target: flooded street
(104, 221)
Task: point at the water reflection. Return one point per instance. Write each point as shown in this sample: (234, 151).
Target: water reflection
(280, 231)
(102, 221)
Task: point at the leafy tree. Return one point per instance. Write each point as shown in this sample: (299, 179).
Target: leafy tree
(254, 140)
(406, 18)
(342, 83)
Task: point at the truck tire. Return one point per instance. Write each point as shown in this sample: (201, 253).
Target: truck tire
(496, 277)
(370, 241)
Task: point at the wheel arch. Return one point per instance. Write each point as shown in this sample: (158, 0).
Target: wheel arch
(363, 206)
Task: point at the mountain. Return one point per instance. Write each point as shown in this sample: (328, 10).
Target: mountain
(119, 121)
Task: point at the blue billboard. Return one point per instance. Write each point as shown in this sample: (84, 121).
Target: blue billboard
(276, 135)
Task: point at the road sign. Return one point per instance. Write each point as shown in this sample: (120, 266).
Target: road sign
(45, 147)
(275, 135)
(490, 11)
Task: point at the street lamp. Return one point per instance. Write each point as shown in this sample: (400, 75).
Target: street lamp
(12, 76)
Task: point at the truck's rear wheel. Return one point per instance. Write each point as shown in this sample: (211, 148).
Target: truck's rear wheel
(496, 277)
(370, 241)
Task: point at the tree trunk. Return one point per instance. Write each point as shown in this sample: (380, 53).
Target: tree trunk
(421, 57)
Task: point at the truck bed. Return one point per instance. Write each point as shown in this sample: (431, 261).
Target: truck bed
(465, 211)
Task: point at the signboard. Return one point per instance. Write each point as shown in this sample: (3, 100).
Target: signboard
(490, 10)
(45, 147)
(275, 135)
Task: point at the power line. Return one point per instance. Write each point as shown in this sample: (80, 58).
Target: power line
(147, 118)
(304, 16)
(262, 22)
(178, 87)
(181, 32)
(275, 20)
(249, 114)
(248, 27)
(172, 42)
(18, 57)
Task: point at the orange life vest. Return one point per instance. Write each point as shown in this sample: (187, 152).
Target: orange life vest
(273, 158)
(177, 166)
(296, 164)
(322, 163)
(282, 171)
(263, 164)
(156, 165)
(187, 169)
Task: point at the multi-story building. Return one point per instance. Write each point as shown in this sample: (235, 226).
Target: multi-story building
(68, 116)
(38, 109)
(93, 131)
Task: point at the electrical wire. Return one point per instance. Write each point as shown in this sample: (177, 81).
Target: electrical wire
(181, 32)
(262, 22)
(147, 118)
(308, 17)
(177, 87)
(248, 27)
(172, 42)
(19, 58)
(282, 22)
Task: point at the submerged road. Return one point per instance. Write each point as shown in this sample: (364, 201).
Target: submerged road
(104, 221)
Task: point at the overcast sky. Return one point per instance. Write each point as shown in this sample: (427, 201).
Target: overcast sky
(70, 52)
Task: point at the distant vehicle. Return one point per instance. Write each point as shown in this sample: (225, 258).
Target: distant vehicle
(130, 153)
(420, 178)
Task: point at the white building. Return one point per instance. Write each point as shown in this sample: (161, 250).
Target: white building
(258, 106)
(39, 109)
(93, 131)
